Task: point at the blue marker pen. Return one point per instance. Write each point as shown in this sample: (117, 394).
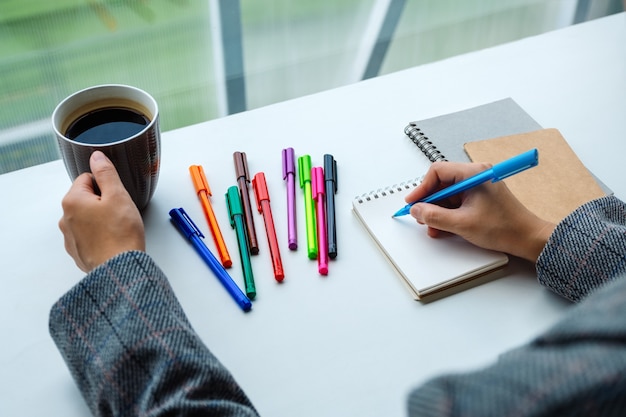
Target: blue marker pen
(188, 228)
(496, 173)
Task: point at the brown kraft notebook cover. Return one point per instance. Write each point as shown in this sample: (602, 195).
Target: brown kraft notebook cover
(552, 189)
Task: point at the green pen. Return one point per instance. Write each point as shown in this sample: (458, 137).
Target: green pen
(304, 172)
(235, 212)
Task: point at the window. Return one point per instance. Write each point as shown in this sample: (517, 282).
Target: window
(286, 49)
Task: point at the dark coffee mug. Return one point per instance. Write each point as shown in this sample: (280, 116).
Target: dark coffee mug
(122, 122)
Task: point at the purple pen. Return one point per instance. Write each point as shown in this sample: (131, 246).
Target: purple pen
(289, 175)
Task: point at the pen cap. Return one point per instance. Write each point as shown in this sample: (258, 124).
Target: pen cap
(516, 164)
(317, 182)
(233, 203)
(330, 170)
(241, 165)
(183, 223)
(260, 189)
(304, 169)
(289, 162)
(199, 179)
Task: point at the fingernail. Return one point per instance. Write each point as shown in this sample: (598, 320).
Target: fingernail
(98, 156)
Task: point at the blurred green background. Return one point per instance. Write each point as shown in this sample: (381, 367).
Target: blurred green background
(49, 49)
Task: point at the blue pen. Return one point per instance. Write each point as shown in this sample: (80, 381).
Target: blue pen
(496, 173)
(188, 228)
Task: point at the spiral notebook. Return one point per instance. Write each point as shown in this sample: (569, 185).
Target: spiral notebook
(442, 138)
(428, 266)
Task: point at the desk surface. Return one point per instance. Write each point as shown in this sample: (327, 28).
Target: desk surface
(354, 342)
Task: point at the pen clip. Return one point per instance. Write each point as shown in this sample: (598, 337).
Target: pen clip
(330, 171)
(230, 212)
(183, 222)
(233, 204)
(317, 182)
(289, 162)
(304, 169)
(259, 185)
(241, 165)
(199, 179)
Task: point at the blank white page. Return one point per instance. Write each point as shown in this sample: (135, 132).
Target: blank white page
(428, 265)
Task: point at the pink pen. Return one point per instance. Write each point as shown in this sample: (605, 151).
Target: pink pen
(317, 184)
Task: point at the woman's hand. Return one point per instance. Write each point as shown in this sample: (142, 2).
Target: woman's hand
(489, 215)
(98, 227)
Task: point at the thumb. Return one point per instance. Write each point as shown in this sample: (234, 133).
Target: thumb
(104, 173)
(434, 216)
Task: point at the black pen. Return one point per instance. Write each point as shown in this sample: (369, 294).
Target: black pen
(330, 181)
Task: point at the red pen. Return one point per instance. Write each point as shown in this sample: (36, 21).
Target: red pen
(317, 184)
(263, 204)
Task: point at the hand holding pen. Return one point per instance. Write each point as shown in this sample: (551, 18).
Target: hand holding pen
(496, 173)
(510, 227)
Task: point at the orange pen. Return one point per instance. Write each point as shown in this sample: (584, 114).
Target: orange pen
(203, 191)
(263, 204)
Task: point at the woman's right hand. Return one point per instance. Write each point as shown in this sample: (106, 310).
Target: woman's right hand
(489, 215)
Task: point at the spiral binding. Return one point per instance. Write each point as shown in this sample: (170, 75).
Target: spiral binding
(421, 140)
(384, 192)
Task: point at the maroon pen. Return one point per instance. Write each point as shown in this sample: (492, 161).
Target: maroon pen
(243, 179)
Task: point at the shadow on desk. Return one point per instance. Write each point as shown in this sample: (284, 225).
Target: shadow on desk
(516, 269)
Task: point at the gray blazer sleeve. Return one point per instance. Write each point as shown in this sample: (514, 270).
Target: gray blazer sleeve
(132, 351)
(586, 251)
(578, 367)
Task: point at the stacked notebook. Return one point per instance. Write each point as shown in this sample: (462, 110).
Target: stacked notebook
(489, 133)
(427, 266)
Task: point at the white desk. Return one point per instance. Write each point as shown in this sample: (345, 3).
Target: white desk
(352, 343)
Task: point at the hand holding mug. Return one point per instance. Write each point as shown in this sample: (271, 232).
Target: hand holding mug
(98, 227)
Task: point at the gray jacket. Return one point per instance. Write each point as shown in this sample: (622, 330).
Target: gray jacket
(577, 368)
(132, 351)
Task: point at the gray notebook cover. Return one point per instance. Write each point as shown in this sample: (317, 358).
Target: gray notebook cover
(449, 132)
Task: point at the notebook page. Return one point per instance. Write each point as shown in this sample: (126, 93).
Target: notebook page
(424, 262)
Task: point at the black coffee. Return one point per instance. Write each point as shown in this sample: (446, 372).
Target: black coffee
(107, 125)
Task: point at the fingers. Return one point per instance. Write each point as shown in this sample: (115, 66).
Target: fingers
(97, 226)
(437, 218)
(489, 215)
(70, 244)
(441, 175)
(83, 187)
(71, 204)
(105, 174)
